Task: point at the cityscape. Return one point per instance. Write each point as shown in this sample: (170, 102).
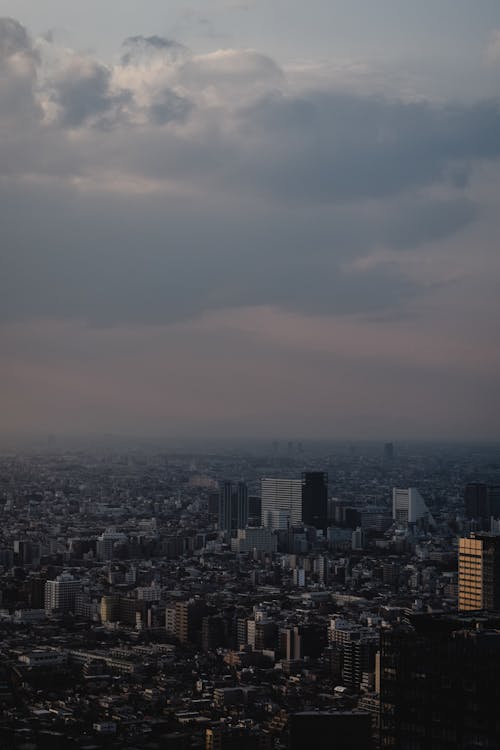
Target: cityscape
(249, 375)
(223, 600)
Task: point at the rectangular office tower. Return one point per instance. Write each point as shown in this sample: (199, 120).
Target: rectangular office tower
(281, 502)
(479, 572)
(315, 499)
(233, 506)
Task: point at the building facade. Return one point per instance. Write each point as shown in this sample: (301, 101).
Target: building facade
(281, 501)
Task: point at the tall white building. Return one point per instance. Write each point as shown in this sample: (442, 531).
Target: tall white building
(281, 502)
(61, 593)
(408, 507)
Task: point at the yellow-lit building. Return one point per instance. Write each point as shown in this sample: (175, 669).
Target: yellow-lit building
(479, 572)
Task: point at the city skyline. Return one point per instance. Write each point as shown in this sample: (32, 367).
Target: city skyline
(250, 219)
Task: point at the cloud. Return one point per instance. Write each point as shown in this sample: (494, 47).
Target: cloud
(14, 40)
(83, 93)
(172, 183)
(493, 47)
(137, 48)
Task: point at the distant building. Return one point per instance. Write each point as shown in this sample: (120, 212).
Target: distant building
(260, 539)
(388, 452)
(315, 499)
(233, 506)
(188, 620)
(482, 503)
(60, 594)
(408, 507)
(358, 540)
(281, 502)
(254, 510)
(105, 546)
(479, 572)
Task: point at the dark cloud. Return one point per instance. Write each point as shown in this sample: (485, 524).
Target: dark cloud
(345, 147)
(137, 46)
(84, 92)
(14, 39)
(168, 107)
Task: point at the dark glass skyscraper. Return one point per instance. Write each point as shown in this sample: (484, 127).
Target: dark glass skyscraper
(315, 499)
(439, 687)
(482, 502)
(233, 506)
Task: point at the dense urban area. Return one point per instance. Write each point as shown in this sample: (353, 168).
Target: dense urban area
(280, 595)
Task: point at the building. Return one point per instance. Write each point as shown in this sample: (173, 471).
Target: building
(105, 546)
(260, 539)
(439, 686)
(233, 506)
(408, 507)
(254, 510)
(358, 540)
(340, 730)
(60, 594)
(290, 643)
(388, 452)
(281, 502)
(315, 499)
(482, 503)
(479, 572)
(188, 620)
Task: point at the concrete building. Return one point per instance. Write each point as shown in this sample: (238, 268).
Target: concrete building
(479, 572)
(105, 546)
(60, 594)
(260, 539)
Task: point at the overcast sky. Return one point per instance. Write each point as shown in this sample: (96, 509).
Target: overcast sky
(259, 218)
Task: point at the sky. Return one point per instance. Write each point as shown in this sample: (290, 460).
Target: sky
(268, 219)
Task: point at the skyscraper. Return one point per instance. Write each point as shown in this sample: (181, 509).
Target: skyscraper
(482, 502)
(281, 502)
(408, 507)
(315, 499)
(439, 686)
(233, 506)
(479, 572)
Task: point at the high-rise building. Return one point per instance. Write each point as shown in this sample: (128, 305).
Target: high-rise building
(60, 593)
(482, 502)
(439, 684)
(281, 501)
(233, 506)
(408, 507)
(479, 572)
(254, 510)
(315, 499)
